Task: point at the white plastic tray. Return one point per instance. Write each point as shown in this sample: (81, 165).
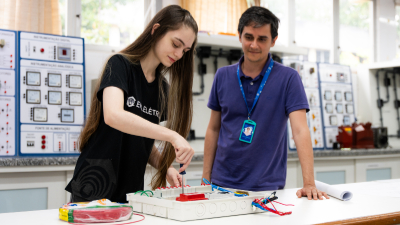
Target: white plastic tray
(193, 210)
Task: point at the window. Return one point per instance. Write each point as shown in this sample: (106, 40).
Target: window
(62, 9)
(397, 18)
(354, 41)
(112, 22)
(279, 8)
(314, 28)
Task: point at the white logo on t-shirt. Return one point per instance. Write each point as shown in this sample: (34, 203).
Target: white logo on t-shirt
(131, 101)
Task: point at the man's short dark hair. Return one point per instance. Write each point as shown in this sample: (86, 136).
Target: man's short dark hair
(259, 16)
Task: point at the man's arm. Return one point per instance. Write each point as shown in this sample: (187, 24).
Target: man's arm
(210, 143)
(302, 139)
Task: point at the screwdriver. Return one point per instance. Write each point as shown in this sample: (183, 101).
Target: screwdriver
(182, 173)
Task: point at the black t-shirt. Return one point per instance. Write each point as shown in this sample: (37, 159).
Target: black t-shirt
(113, 163)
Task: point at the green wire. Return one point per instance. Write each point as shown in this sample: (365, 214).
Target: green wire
(144, 192)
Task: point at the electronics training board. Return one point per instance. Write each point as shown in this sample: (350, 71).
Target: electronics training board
(51, 93)
(166, 205)
(336, 99)
(8, 70)
(308, 72)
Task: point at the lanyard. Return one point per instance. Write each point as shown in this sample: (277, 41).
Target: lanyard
(264, 80)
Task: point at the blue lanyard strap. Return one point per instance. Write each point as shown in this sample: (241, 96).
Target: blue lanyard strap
(264, 80)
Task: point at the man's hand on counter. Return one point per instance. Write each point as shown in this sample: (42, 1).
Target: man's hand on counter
(311, 192)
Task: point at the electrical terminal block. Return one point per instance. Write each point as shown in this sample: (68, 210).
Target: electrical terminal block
(219, 195)
(167, 192)
(203, 188)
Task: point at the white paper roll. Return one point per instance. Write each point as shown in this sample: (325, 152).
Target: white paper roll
(333, 191)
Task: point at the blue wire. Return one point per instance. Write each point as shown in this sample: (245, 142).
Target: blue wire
(221, 189)
(260, 207)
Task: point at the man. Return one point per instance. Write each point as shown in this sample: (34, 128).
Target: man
(260, 95)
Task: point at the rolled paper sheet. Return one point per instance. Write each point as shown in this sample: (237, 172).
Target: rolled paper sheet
(334, 191)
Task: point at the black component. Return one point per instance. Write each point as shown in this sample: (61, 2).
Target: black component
(219, 54)
(233, 55)
(336, 145)
(386, 81)
(202, 52)
(191, 135)
(380, 137)
(202, 68)
(273, 198)
(276, 58)
(396, 104)
(379, 103)
(396, 101)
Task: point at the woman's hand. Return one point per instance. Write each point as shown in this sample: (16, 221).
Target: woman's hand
(173, 177)
(183, 151)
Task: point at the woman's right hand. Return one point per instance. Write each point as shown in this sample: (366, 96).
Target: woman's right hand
(183, 151)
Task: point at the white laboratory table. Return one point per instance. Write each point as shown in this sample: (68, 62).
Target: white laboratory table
(377, 201)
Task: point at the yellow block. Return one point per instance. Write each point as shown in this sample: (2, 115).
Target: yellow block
(64, 214)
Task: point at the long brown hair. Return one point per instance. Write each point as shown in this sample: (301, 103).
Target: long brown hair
(179, 105)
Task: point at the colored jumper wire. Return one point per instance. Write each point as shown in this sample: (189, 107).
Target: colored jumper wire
(261, 204)
(221, 189)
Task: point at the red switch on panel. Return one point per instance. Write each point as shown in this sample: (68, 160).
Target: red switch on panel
(43, 142)
(44, 137)
(43, 146)
(42, 50)
(195, 196)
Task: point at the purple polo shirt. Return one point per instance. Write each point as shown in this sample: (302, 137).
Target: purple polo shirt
(260, 165)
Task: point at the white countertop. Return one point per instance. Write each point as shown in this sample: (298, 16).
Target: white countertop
(369, 198)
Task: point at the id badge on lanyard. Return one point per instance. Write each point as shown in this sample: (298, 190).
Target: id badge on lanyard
(249, 126)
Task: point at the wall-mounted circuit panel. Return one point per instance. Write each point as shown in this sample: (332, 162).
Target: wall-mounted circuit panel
(7, 49)
(7, 82)
(7, 126)
(51, 94)
(308, 72)
(8, 108)
(51, 48)
(337, 101)
(48, 139)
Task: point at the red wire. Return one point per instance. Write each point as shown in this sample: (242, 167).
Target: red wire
(270, 210)
(118, 223)
(284, 204)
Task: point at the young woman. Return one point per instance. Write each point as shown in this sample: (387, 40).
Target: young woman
(132, 98)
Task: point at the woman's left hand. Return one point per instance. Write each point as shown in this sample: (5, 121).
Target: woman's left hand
(173, 177)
